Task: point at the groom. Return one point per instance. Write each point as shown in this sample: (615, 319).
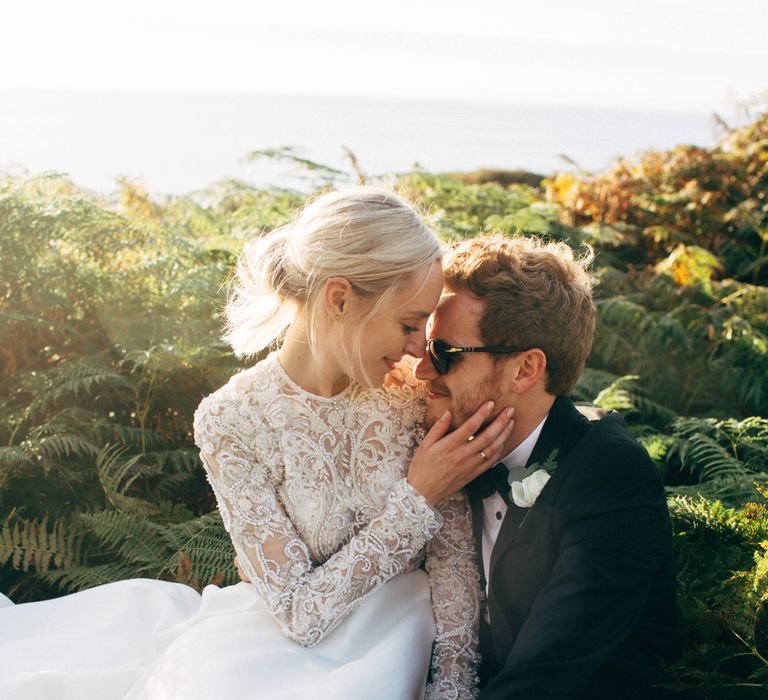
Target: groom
(575, 547)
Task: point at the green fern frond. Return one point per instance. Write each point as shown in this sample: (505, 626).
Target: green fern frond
(623, 312)
(30, 545)
(178, 461)
(624, 395)
(617, 396)
(127, 435)
(657, 446)
(171, 485)
(170, 512)
(207, 546)
(137, 541)
(685, 427)
(71, 381)
(666, 334)
(79, 578)
(748, 439)
(66, 445)
(591, 383)
(705, 457)
(15, 456)
(736, 490)
(117, 474)
(697, 510)
(729, 448)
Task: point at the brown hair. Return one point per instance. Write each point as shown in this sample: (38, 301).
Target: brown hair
(536, 294)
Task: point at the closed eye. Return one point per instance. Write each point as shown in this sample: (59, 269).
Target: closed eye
(409, 329)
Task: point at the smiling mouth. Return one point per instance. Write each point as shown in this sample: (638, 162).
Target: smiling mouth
(433, 395)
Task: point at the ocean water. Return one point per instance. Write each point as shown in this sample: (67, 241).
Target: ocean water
(181, 142)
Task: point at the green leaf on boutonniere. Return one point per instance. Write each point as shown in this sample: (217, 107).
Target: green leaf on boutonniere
(550, 463)
(520, 473)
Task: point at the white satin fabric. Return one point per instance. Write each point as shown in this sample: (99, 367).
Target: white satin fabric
(152, 640)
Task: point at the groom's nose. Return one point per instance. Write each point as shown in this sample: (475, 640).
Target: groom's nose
(424, 369)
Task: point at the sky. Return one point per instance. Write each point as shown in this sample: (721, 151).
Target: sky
(665, 55)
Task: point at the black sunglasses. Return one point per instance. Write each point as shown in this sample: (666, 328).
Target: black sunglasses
(440, 352)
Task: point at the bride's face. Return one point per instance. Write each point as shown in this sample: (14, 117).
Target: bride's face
(396, 330)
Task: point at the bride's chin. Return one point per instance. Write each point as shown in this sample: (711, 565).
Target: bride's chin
(373, 379)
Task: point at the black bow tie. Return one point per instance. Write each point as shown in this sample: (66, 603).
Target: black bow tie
(495, 480)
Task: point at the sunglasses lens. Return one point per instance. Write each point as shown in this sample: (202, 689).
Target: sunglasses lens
(438, 355)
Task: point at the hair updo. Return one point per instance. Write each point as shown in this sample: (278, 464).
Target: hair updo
(367, 235)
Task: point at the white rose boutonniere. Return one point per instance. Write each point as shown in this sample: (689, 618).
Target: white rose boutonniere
(528, 482)
(524, 493)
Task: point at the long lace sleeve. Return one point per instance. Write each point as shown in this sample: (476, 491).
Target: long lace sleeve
(455, 585)
(307, 598)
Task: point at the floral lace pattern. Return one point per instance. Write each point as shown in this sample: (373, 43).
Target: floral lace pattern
(312, 491)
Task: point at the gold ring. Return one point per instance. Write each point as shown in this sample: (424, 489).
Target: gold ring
(470, 438)
(482, 454)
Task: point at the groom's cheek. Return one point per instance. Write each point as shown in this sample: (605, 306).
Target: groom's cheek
(435, 409)
(430, 416)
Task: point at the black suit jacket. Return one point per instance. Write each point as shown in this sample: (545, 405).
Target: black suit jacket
(582, 584)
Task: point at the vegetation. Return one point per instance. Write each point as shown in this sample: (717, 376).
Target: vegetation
(109, 337)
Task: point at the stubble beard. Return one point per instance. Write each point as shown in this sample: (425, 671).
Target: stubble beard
(463, 407)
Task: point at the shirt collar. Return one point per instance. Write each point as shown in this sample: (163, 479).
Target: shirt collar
(520, 455)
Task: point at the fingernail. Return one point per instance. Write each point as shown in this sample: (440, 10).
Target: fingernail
(488, 406)
(445, 415)
(510, 413)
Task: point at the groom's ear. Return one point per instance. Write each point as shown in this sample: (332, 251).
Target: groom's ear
(336, 297)
(525, 370)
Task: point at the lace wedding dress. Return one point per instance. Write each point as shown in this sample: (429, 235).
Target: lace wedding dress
(313, 494)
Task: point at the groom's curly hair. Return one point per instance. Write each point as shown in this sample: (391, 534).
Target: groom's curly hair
(537, 295)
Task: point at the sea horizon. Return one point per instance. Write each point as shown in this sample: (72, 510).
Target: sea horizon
(182, 141)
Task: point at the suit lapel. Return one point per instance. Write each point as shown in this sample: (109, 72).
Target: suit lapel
(562, 430)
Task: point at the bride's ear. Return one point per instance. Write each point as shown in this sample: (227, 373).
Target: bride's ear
(337, 293)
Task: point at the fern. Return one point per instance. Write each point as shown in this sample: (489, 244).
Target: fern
(712, 452)
(131, 437)
(626, 396)
(79, 578)
(734, 489)
(111, 314)
(63, 445)
(195, 550)
(140, 543)
(207, 548)
(14, 456)
(30, 545)
(172, 485)
(591, 383)
(622, 319)
(723, 590)
(180, 460)
(703, 456)
(748, 439)
(71, 381)
(117, 474)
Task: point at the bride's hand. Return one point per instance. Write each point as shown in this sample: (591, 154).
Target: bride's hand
(445, 463)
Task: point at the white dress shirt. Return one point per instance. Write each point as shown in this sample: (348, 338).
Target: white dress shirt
(494, 507)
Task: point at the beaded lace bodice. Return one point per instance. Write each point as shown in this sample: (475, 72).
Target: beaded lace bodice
(312, 491)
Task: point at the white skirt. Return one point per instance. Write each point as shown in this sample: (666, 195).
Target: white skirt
(153, 640)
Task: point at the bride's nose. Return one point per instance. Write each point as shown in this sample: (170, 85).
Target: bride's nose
(417, 344)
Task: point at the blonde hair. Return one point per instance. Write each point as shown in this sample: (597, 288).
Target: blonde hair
(536, 295)
(367, 235)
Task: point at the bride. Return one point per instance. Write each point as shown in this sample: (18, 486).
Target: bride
(333, 496)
